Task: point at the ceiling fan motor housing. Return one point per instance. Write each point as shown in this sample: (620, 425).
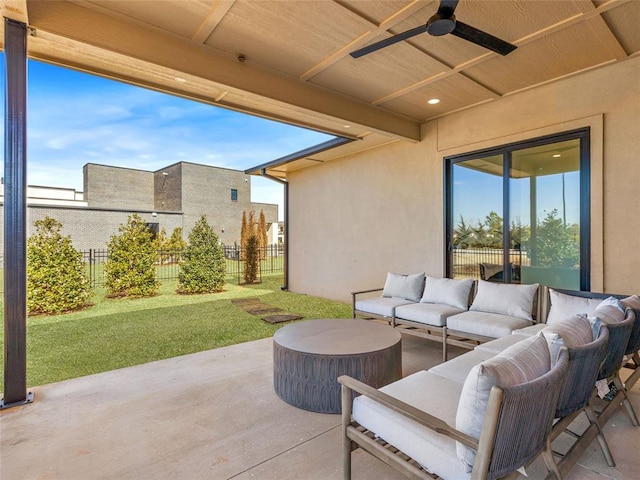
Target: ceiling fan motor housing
(439, 25)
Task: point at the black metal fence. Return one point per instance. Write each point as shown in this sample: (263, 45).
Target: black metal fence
(168, 263)
(486, 263)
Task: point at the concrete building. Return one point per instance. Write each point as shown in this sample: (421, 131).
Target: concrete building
(175, 196)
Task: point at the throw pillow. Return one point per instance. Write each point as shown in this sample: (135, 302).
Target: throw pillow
(508, 299)
(631, 302)
(407, 287)
(520, 363)
(563, 306)
(571, 332)
(610, 311)
(446, 291)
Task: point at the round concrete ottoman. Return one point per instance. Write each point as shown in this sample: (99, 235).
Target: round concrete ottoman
(309, 356)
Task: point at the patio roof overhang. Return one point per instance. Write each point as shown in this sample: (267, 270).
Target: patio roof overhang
(289, 61)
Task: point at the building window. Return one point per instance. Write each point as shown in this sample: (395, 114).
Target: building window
(234, 195)
(519, 213)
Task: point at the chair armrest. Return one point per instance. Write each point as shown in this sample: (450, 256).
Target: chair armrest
(367, 291)
(423, 418)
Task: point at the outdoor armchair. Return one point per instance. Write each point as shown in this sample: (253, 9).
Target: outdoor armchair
(420, 442)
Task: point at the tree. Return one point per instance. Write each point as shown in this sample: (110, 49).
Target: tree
(130, 270)
(176, 245)
(160, 244)
(203, 268)
(556, 244)
(252, 259)
(463, 235)
(262, 235)
(56, 278)
(244, 234)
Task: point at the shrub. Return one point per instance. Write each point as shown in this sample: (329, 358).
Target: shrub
(56, 278)
(203, 268)
(262, 235)
(176, 244)
(160, 243)
(130, 270)
(252, 259)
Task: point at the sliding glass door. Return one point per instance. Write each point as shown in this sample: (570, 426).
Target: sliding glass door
(520, 213)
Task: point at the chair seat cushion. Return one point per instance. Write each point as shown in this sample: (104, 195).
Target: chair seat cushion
(531, 330)
(430, 393)
(382, 306)
(427, 313)
(500, 344)
(492, 325)
(458, 368)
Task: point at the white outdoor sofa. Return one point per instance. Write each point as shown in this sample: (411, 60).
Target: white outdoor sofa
(453, 312)
(458, 419)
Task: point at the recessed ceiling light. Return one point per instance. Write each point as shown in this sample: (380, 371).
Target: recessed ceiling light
(346, 126)
(180, 80)
(557, 155)
(433, 101)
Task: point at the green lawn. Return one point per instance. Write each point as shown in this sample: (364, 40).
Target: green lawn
(117, 333)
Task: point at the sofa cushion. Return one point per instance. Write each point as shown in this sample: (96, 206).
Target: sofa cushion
(492, 325)
(380, 306)
(520, 363)
(507, 299)
(408, 287)
(563, 306)
(447, 291)
(500, 344)
(426, 313)
(458, 368)
(534, 329)
(430, 393)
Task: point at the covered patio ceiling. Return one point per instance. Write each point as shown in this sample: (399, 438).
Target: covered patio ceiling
(289, 60)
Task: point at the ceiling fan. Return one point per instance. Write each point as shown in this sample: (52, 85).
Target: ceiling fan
(442, 23)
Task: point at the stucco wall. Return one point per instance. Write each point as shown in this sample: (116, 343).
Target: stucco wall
(356, 218)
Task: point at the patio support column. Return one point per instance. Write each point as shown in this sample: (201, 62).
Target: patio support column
(15, 210)
(264, 173)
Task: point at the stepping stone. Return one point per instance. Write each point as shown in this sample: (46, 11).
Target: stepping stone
(281, 318)
(264, 309)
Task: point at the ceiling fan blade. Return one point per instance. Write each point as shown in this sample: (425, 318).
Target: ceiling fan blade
(447, 7)
(486, 40)
(389, 41)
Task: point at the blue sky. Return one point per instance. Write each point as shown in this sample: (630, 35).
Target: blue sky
(75, 118)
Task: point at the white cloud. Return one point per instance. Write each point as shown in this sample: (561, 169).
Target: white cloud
(76, 118)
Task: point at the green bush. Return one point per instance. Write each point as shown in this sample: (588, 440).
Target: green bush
(56, 278)
(169, 248)
(252, 259)
(203, 268)
(176, 244)
(130, 270)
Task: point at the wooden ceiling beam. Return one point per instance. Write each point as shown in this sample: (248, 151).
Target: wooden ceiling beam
(183, 55)
(215, 16)
(374, 32)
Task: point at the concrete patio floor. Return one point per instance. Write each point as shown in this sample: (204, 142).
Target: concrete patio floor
(214, 415)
